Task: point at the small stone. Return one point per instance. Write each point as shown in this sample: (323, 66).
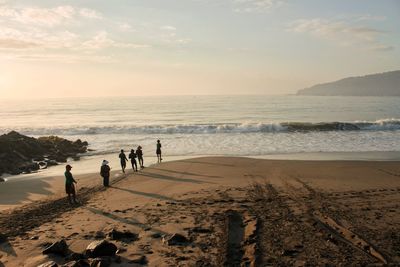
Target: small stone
(125, 235)
(101, 262)
(59, 247)
(78, 263)
(100, 249)
(140, 259)
(156, 235)
(49, 264)
(175, 239)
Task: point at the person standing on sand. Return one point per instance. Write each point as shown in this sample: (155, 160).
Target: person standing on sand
(69, 185)
(132, 156)
(123, 159)
(139, 154)
(158, 151)
(105, 173)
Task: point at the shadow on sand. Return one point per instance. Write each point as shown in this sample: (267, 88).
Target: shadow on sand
(208, 163)
(171, 178)
(123, 220)
(187, 173)
(6, 247)
(18, 190)
(150, 195)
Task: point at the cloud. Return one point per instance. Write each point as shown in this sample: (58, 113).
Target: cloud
(256, 6)
(16, 44)
(102, 41)
(168, 28)
(125, 27)
(90, 13)
(34, 38)
(46, 16)
(341, 32)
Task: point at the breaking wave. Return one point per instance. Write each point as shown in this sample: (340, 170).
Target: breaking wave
(379, 125)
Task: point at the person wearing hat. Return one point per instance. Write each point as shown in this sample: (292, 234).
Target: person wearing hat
(105, 173)
(123, 159)
(69, 185)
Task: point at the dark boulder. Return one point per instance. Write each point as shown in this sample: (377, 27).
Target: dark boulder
(49, 264)
(100, 249)
(125, 235)
(101, 262)
(23, 154)
(78, 263)
(59, 248)
(175, 240)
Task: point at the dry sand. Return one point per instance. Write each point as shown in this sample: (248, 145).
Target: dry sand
(233, 211)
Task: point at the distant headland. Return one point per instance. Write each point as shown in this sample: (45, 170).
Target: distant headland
(380, 84)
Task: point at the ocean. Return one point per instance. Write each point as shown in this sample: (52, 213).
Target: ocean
(213, 125)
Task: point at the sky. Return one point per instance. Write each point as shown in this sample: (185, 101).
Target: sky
(98, 48)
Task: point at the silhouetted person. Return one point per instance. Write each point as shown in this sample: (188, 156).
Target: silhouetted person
(158, 151)
(132, 156)
(69, 185)
(139, 154)
(105, 173)
(123, 159)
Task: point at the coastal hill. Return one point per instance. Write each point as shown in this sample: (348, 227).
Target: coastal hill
(381, 84)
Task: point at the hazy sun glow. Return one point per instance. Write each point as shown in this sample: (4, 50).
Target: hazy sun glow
(54, 48)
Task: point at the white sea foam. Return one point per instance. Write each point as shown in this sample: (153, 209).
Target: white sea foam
(214, 125)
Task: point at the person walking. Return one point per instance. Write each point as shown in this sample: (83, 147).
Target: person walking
(69, 185)
(139, 154)
(123, 159)
(132, 156)
(158, 151)
(105, 173)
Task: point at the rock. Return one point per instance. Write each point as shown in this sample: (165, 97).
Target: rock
(175, 240)
(200, 230)
(140, 259)
(100, 249)
(2, 180)
(20, 153)
(51, 162)
(125, 235)
(49, 264)
(155, 235)
(59, 248)
(99, 235)
(3, 238)
(78, 263)
(101, 262)
(75, 257)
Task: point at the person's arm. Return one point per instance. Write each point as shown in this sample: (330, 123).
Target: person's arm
(71, 177)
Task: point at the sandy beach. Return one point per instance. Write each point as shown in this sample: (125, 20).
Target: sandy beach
(231, 212)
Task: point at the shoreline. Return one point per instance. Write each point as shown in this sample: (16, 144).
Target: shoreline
(24, 189)
(300, 203)
(88, 164)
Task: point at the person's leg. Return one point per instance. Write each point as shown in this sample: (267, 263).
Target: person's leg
(134, 163)
(107, 181)
(69, 199)
(74, 194)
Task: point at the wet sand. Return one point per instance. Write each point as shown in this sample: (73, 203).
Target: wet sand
(233, 211)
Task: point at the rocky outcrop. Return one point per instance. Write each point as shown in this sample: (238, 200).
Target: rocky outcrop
(23, 154)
